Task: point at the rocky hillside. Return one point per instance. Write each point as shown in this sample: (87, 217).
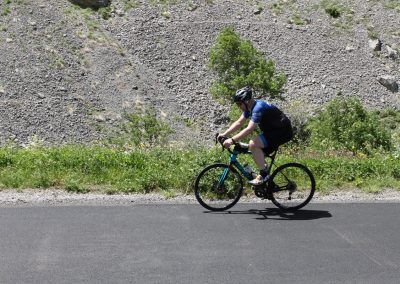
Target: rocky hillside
(68, 74)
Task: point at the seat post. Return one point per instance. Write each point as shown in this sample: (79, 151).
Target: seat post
(272, 157)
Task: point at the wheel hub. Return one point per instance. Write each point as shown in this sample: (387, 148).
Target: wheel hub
(291, 187)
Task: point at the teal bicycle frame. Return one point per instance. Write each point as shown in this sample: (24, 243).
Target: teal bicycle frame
(239, 149)
(216, 190)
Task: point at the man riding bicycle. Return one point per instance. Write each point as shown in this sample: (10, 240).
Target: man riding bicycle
(275, 127)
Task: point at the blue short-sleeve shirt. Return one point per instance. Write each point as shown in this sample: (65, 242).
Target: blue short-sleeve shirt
(258, 111)
(264, 114)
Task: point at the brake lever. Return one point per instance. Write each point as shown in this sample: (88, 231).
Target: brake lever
(221, 140)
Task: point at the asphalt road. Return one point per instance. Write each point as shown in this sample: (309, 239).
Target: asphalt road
(253, 243)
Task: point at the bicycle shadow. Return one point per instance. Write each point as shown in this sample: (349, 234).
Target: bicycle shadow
(278, 214)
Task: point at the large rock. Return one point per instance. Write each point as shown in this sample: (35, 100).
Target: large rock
(95, 4)
(375, 44)
(392, 53)
(389, 82)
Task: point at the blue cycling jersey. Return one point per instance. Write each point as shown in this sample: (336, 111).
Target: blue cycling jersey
(267, 116)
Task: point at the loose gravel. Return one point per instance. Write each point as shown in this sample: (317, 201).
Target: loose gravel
(68, 77)
(52, 197)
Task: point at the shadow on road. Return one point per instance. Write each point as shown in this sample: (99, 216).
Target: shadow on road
(277, 214)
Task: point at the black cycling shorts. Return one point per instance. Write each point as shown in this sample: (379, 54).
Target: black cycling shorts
(276, 137)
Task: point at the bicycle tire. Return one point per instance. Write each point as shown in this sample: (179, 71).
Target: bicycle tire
(302, 190)
(211, 194)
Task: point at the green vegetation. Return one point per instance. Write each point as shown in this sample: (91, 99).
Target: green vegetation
(332, 8)
(345, 145)
(237, 63)
(166, 14)
(88, 26)
(372, 34)
(7, 5)
(81, 14)
(360, 155)
(278, 6)
(79, 168)
(142, 129)
(5, 12)
(296, 15)
(164, 2)
(391, 119)
(297, 19)
(5, 8)
(105, 12)
(345, 124)
(336, 170)
(130, 4)
(82, 169)
(392, 4)
(56, 61)
(342, 15)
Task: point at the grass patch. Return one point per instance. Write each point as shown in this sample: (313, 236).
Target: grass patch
(366, 173)
(392, 4)
(130, 4)
(297, 19)
(332, 8)
(341, 15)
(6, 6)
(78, 168)
(171, 171)
(278, 7)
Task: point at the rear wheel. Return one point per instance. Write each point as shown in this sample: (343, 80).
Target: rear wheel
(218, 187)
(292, 186)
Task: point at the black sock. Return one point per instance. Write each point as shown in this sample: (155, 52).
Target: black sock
(264, 173)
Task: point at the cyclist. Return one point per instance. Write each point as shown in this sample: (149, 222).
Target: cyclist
(275, 127)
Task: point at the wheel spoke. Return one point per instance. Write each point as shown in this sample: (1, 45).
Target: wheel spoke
(218, 188)
(296, 186)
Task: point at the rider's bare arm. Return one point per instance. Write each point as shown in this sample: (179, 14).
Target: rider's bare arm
(245, 132)
(235, 126)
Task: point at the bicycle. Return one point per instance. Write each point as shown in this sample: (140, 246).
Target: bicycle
(219, 186)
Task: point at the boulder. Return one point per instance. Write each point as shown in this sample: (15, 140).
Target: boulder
(392, 53)
(95, 4)
(389, 82)
(375, 44)
(257, 11)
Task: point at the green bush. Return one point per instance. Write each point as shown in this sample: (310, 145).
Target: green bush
(237, 63)
(390, 118)
(333, 11)
(105, 12)
(345, 124)
(332, 8)
(143, 129)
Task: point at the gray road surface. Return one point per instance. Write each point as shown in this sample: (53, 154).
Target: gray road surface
(253, 243)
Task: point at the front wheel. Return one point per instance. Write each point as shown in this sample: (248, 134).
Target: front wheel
(218, 187)
(292, 186)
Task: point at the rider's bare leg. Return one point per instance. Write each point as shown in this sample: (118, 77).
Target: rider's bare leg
(256, 147)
